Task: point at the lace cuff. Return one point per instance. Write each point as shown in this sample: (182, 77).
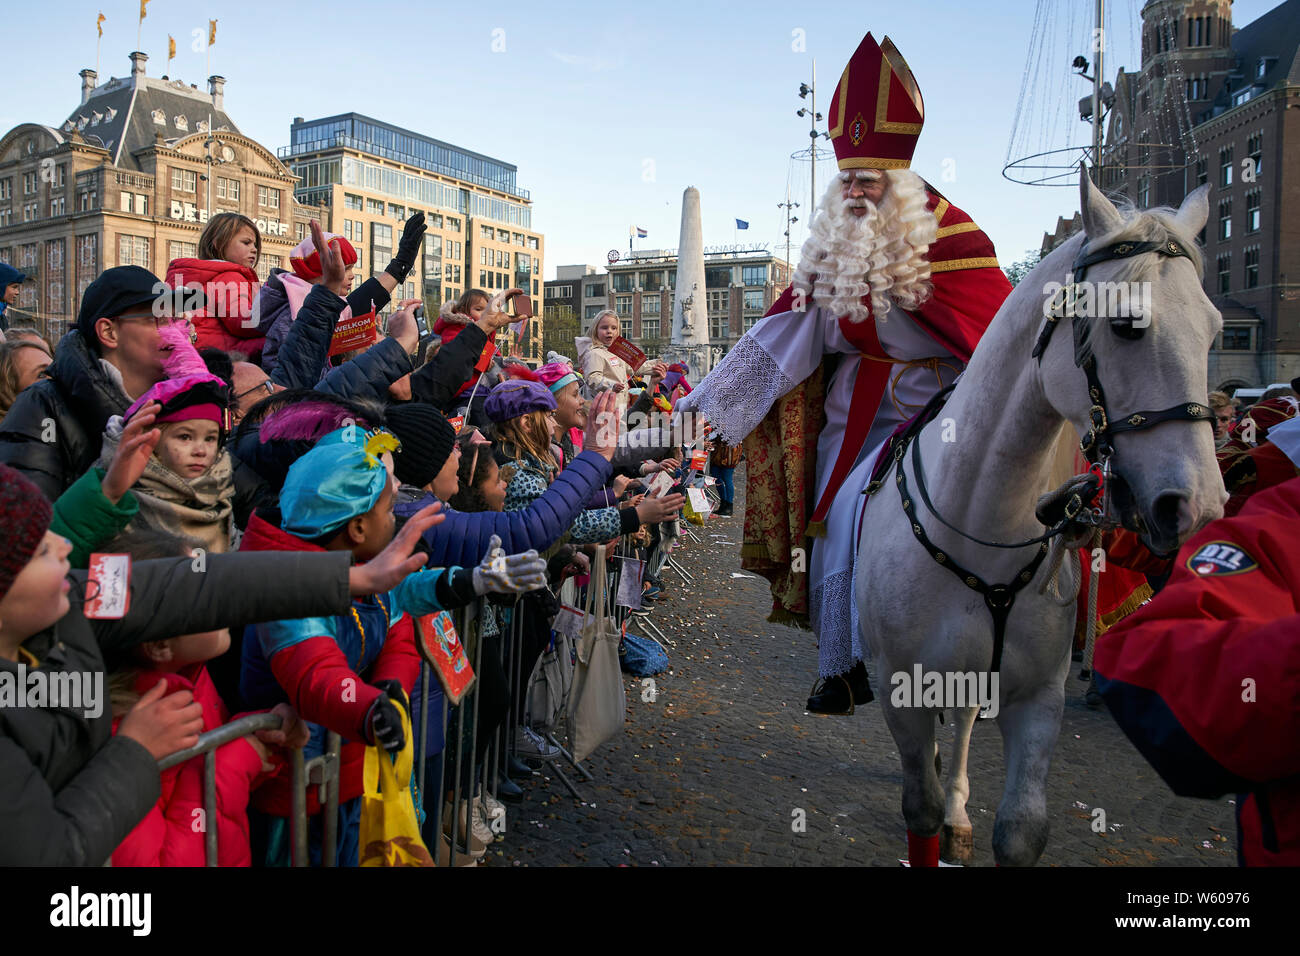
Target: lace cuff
(738, 393)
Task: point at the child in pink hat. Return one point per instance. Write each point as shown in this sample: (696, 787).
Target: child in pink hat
(188, 485)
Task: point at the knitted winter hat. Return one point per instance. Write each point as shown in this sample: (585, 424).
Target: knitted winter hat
(339, 479)
(189, 391)
(305, 260)
(556, 375)
(517, 397)
(427, 442)
(25, 516)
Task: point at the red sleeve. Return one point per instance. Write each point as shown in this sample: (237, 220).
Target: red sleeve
(399, 659)
(1216, 655)
(323, 688)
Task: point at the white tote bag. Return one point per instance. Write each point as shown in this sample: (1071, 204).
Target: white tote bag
(598, 703)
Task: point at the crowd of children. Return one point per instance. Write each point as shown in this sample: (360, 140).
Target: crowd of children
(204, 550)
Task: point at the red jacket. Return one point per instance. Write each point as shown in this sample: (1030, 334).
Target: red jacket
(310, 673)
(172, 833)
(448, 330)
(1205, 679)
(227, 322)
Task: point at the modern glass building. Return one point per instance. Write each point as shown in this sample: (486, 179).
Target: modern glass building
(371, 176)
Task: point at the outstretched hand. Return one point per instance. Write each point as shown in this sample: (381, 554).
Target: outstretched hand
(401, 326)
(138, 441)
(389, 567)
(332, 269)
(603, 425)
(501, 573)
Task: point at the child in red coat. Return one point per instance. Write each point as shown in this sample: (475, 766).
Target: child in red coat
(173, 832)
(227, 255)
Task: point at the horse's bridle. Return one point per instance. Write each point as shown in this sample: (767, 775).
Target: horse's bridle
(1096, 445)
(1102, 426)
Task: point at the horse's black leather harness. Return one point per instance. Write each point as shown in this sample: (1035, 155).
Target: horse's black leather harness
(1096, 445)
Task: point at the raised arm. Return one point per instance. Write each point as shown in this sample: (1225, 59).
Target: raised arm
(769, 360)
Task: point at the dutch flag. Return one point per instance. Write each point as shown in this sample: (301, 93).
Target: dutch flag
(641, 233)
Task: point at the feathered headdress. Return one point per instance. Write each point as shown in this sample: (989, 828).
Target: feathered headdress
(189, 391)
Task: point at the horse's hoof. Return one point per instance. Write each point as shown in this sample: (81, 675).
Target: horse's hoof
(956, 844)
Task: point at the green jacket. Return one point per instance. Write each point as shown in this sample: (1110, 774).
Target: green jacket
(86, 518)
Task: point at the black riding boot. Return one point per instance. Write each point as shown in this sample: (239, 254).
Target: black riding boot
(840, 693)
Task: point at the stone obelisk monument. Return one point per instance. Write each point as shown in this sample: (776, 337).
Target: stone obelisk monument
(690, 332)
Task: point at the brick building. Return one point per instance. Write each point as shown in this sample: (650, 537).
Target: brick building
(130, 178)
(1240, 88)
(740, 284)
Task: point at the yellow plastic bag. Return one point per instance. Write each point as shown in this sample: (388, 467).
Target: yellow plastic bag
(390, 828)
(696, 509)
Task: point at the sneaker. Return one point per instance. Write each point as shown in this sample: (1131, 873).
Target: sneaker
(491, 806)
(639, 612)
(531, 745)
(477, 845)
(479, 824)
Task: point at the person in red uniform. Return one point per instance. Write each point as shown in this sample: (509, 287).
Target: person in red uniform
(1205, 678)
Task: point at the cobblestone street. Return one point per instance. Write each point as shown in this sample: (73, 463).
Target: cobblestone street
(716, 764)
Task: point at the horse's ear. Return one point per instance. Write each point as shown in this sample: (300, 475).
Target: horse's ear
(1099, 214)
(1195, 210)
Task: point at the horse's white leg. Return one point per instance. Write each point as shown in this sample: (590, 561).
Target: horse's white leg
(913, 731)
(957, 840)
(1029, 728)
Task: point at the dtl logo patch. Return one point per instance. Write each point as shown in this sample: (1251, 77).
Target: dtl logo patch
(1221, 557)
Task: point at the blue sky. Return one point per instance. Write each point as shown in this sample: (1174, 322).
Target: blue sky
(609, 110)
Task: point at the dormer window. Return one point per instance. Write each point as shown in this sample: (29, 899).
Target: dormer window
(181, 122)
(110, 114)
(159, 117)
(81, 122)
(95, 117)
(201, 126)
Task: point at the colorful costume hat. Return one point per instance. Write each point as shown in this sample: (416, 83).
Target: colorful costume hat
(516, 397)
(556, 375)
(876, 111)
(305, 259)
(339, 479)
(189, 391)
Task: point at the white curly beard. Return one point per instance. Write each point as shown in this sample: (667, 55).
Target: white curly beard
(880, 254)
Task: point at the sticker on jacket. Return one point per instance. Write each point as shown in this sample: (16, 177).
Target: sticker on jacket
(1221, 557)
(108, 587)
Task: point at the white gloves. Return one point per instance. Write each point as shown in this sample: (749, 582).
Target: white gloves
(508, 574)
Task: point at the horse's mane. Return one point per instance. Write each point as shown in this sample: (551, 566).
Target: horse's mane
(1146, 225)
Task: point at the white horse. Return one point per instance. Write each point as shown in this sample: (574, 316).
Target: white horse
(986, 460)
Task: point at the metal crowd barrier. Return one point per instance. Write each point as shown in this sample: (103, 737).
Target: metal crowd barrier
(322, 770)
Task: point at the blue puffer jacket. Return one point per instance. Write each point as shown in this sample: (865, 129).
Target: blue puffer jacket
(463, 538)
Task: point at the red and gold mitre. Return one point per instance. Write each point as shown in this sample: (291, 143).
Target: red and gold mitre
(876, 110)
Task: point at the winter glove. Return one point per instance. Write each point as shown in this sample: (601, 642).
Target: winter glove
(384, 720)
(506, 574)
(408, 248)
